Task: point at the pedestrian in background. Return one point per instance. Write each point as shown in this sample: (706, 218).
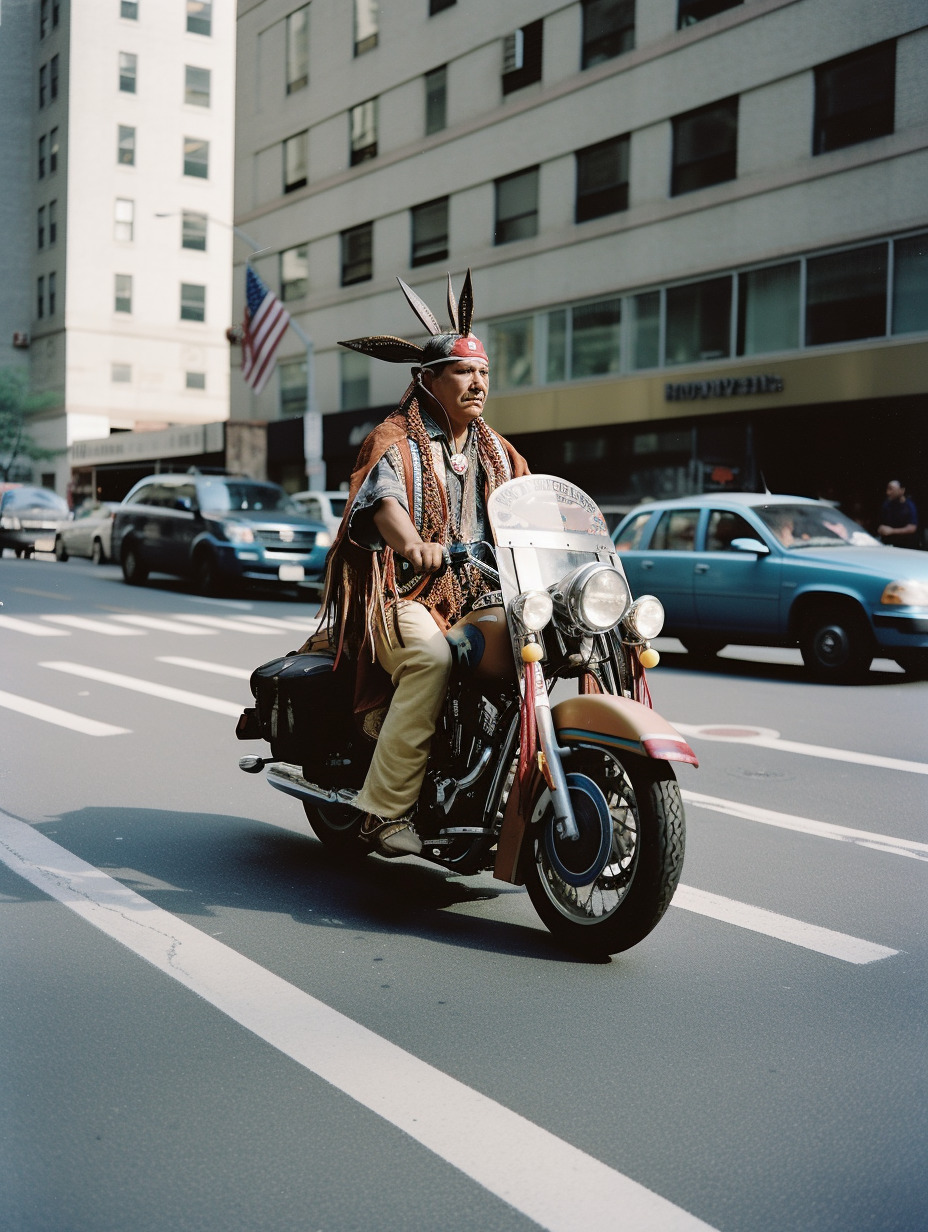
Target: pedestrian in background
(898, 518)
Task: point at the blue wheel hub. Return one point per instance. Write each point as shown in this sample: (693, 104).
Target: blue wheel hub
(580, 861)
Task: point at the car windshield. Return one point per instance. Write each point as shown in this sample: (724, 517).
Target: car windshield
(812, 526)
(225, 495)
(34, 498)
(338, 504)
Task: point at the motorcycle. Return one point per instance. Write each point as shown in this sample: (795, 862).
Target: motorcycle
(575, 798)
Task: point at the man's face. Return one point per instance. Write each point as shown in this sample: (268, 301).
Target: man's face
(895, 491)
(461, 386)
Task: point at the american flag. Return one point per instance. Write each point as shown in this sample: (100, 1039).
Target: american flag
(266, 322)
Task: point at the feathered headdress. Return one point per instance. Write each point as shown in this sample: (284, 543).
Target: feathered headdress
(442, 346)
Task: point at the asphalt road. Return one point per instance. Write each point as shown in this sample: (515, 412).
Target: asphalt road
(197, 1005)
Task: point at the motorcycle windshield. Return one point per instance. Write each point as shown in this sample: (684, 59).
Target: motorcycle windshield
(544, 527)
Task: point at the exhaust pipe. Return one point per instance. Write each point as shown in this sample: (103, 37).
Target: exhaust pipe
(289, 779)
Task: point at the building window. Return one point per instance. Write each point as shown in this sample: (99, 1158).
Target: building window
(193, 230)
(195, 380)
(699, 321)
(436, 100)
(40, 298)
(52, 222)
(298, 49)
(129, 9)
(123, 297)
(196, 157)
(196, 85)
(516, 206)
(200, 17)
(355, 381)
(602, 179)
(53, 77)
(691, 11)
(121, 374)
(846, 295)
(608, 30)
(296, 161)
(594, 338)
(429, 231)
(768, 309)
(192, 302)
(366, 25)
(43, 147)
(125, 148)
(363, 120)
(910, 284)
(43, 84)
(522, 57)
(439, 6)
(53, 151)
(56, 13)
(855, 98)
(705, 146)
(128, 71)
(644, 313)
(40, 227)
(511, 348)
(292, 388)
(294, 272)
(43, 19)
(124, 218)
(357, 254)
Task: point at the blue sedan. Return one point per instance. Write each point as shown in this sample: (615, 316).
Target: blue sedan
(757, 569)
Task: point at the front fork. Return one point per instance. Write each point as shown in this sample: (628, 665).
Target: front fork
(552, 753)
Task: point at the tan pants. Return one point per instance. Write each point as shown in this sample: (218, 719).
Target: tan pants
(419, 671)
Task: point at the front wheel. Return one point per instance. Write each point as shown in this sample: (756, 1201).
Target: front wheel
(836, 645)
(61, 552)
(134, 570)
(97, 555)
(640, 872)
(338, 827)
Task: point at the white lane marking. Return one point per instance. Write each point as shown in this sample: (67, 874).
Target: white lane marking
(165, 626)
(185, 698)
(767, 739)
(783, 927)
(94, 626)
(61, 718)
(277, 622)
(808, 825)
(230, 624)
(546, 1179)
(27, 626)
(198, 665)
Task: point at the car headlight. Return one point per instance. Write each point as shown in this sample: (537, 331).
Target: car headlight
(323, 539)
(533, 609)
(906, 594)
(11, 523)
(235, 532)
(645, 617)
(593, 598)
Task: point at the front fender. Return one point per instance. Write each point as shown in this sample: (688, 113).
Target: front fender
(619, 723)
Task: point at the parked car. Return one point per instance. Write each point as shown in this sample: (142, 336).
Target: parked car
(30, 519)
(771, 570)
(327, 507)
(217, 529)
(89, 534)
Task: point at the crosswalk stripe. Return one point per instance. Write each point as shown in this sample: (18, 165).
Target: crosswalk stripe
(164, 626)
(61, 718)
(151, 687)
(26, 626)
(94, 626)
(784, 927)
(230, 623)
(278, 622)
(197, 665)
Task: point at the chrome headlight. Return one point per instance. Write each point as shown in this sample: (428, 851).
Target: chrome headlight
(10, 523)
(906, 594)
(593, 598)
(323, 539)
(533, 609)
(645, 618)
(235, 532)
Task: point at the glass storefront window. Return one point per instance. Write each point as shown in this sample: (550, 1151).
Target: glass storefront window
(645, 324)
(910, 284)
(594, 349)
(699, 321)
(512, 353)
(556, 367)
(768, 309)
(846, 295)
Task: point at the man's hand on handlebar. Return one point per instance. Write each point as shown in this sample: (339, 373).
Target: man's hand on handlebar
(424, 557)
(397, 529)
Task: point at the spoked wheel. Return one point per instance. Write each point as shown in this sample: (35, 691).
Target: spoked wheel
(631, 831)
(337, 826)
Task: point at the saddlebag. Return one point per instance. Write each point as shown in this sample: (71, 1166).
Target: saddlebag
(301, 706)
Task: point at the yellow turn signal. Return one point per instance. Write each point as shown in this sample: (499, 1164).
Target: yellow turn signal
(649, 658)
(531, 652)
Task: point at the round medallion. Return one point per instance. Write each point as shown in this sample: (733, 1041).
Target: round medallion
(458, 463)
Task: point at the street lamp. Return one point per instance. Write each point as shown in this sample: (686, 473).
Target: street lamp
(312, 418)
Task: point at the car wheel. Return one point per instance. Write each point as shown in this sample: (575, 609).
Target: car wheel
(703, 647)
(61, 552)
(206, 577)
(97, 555)
(134, 570)
(836, 645)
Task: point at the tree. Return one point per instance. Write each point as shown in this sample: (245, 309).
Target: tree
(15, 404)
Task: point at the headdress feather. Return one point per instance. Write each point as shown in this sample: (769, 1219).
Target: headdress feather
(452, 306)
(466, 306)
(421, 309)
(393, 350)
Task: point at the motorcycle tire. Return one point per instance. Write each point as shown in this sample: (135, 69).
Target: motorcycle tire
(337, 826)
(629, 896)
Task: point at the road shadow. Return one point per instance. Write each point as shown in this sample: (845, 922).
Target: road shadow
(880, 675)
(195, 864)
